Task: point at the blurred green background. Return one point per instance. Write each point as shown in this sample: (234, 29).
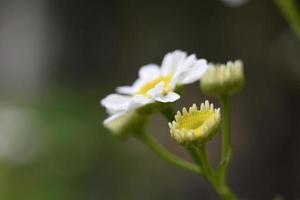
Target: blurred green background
(58, 59)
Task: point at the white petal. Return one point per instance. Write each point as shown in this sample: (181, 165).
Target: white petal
(172, 61)
(189, 61)
(174, 81)
(157, 90)
(194, 73)
(178, 75)
(170, 97)
(116, 102)
(112, 111)
(149, 72)
(125, 89)
(139, 101)
(113, 118)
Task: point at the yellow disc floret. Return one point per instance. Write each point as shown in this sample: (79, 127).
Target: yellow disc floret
(151, 84)
(195, 125)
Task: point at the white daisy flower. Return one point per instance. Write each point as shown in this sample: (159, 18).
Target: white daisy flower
(156, 84)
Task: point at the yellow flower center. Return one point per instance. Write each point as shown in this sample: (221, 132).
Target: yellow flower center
(195, 125)
(195, 120)
(151, 84)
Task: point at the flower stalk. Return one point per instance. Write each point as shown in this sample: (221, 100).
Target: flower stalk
(291, 12)
(163, 153)
(200, 157)
(225, 192)
(226, 137)
(219, 181)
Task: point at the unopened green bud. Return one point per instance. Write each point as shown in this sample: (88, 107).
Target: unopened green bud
(223, 79)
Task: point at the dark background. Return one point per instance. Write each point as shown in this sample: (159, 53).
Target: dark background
(59, 58)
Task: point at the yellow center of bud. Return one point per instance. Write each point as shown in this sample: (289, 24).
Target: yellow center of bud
(195, 120)
(195, 125)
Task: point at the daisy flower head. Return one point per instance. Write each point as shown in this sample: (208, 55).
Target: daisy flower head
(195, 126)
(156, 83)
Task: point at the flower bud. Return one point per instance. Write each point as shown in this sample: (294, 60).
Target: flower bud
(221, 79)
(195, 126)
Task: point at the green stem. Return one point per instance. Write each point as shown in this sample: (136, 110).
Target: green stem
(226, 137)
(206, 166)
(163, 153)
(291, 12)
(222, 188)
(195, 155)
(225, 193)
